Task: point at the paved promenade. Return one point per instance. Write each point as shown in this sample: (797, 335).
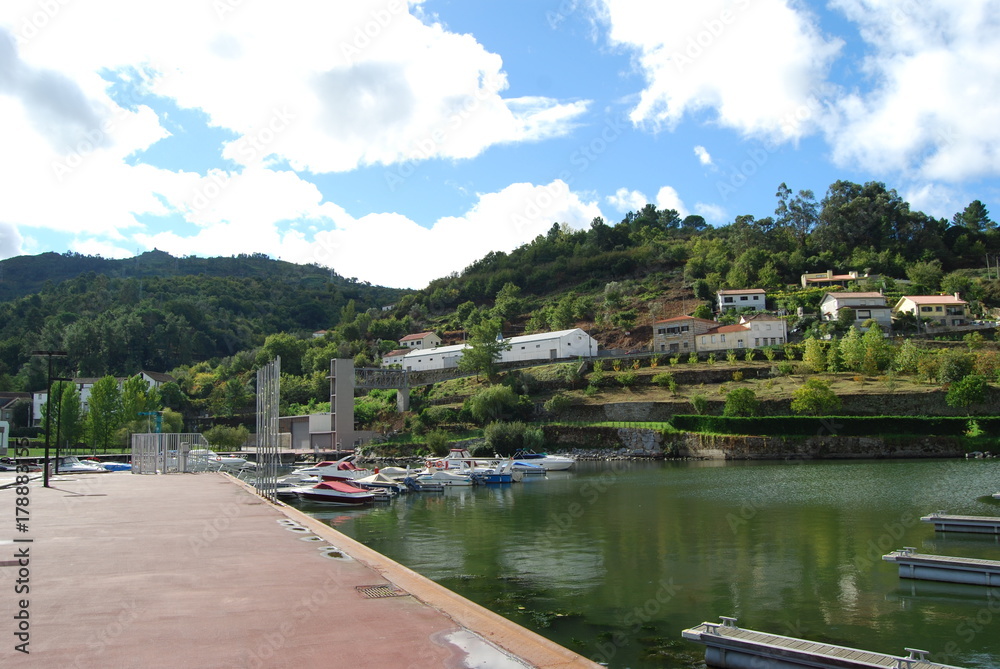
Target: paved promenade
(194, 570)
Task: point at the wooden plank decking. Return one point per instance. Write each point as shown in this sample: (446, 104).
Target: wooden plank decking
(726, 639)
(951, 569)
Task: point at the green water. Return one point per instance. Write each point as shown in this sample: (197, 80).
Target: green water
(613, 560)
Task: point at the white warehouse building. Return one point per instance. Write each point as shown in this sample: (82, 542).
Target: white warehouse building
(559, 345)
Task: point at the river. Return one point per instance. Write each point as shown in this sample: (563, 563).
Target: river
(614, 559)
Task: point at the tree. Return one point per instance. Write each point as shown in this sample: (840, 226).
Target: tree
(703, 311)
(975, 217)
(877, 350)
(741, 402)
(926, 276)
(65, 420)
(814, 357)
(815, 398)
(971, 390)
(225, 438)
(493, 404)
(103, 412)
(852, 350)
(907, 357)
(482, 355)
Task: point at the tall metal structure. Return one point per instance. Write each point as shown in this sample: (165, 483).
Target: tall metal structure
(268, 394)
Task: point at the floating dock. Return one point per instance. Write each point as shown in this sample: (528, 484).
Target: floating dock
(730, 647)
(972, 524)
(972, 571)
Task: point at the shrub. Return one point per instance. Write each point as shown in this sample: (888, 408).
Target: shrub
(737, 376)
(964, 393)
(591, 390)
(437, 415)
(666, 380)
(558, 403)
(693, 358)
(769, 353)
(497, 403)
(748, 356)
(741, 402)
(616, 365)
(437, 442)
(598, 366)
(815, 398)
(675, 359)
(654, 361)
(508, 438)
(731, 356)
(700, 403)
(626, 379)
(711, 358)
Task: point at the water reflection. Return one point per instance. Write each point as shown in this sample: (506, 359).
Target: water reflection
(613, 560)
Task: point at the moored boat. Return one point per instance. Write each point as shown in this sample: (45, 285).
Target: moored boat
(336, 492)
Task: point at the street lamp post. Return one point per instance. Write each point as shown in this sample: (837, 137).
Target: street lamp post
(48, 409)
(59, 405)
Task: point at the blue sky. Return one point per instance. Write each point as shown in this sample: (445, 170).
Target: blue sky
(400, 141)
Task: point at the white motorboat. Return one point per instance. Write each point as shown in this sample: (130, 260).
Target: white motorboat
(336, 492)
(335, 470)
(204, 458)
(70, 464)
(551, 463)
(445, 477)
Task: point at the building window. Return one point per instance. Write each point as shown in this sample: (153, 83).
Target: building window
(661, 331)
(743, 298)
(713, 339)
(722, 338)
(684, 328)
(727, 300)
(937, 309)
(864, 313)
(522, 348)
(756, 341)
(686, 344)
(926, 309)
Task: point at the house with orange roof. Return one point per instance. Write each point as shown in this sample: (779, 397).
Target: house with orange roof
(943, 310)
(420, 341)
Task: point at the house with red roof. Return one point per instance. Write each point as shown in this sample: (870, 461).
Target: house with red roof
(942, 310)
(420, 341)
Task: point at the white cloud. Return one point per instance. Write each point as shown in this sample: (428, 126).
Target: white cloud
(667, 198)
(933, 110)
(625, 200)
(10, 241)
(704, 157)
(712, 213)
(384, 248)
(761, 66)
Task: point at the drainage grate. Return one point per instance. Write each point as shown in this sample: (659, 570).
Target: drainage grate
(379, 591)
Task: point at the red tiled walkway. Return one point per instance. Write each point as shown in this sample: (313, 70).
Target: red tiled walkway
(196, 571)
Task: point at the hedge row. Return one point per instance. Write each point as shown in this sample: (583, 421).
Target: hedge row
(851, 426)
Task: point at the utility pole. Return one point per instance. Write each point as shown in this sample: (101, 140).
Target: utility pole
(48, 409)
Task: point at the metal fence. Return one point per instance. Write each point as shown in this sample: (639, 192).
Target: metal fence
(167, 453)
(268, 440)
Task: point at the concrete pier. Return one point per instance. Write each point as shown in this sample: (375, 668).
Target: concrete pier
(730, 647)
(973, 524)
(195, 570)
(972, 571)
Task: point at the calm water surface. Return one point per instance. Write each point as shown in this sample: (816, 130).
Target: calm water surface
(613, 560)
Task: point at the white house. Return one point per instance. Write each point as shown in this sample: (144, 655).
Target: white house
(550, 346)
(442, 357)
(422, 340)
(394, 357)
(753, 298)
(765, 330)
(865, 305)
(542, 346)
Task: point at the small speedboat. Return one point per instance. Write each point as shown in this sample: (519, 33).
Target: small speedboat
(551, 463)
(380, 482)
(70, 464)
(344, 469)
(111, 465)
(204, 458)
(448, 478)
(337, 492)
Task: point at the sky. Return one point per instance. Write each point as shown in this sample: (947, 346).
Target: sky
(397, 142)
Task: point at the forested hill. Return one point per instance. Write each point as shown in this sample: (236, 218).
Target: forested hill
(24, 275)
(158, 312)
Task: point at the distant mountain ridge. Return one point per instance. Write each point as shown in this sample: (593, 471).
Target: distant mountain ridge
(25, 275)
